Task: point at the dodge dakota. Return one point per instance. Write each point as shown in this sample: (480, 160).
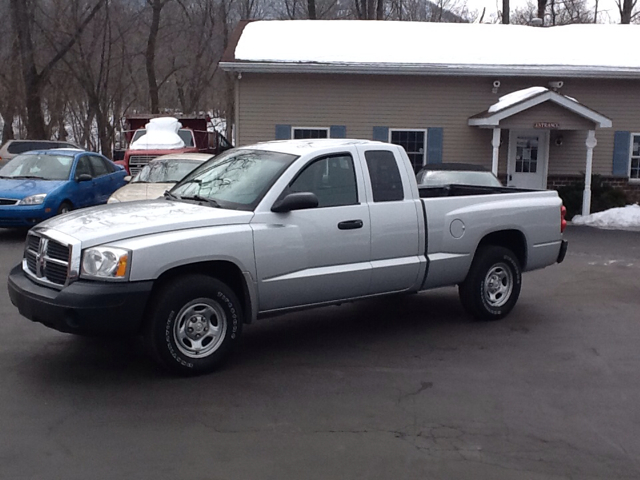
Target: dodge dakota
(271, 227)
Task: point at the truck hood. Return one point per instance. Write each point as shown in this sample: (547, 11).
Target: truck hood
(119, 221)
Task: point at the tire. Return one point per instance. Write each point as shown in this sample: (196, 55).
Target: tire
(64, 207)
(193, 324)
(493, 284)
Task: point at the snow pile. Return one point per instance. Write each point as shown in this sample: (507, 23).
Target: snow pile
(162, 134)
(623, 218)
(516, 97)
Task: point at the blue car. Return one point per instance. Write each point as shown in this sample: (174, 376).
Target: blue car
(39, 184)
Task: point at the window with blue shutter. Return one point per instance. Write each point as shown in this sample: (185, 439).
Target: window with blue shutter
(434, 145)
(283, 132)
(621, 153)
(338, 131)
(381, 134)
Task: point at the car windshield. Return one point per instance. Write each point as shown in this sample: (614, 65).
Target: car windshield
(457, 177)
(237, 178)
(38, 166)
(165, 171)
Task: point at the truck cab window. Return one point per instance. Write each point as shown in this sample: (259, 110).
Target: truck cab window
(332, 179)
(385, 176)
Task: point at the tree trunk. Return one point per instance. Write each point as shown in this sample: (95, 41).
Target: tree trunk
(505, 12)
(542, 5)
(311, 6)
(156, 8)
(626, 9)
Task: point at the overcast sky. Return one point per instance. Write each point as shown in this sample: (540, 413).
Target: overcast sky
(493, 6)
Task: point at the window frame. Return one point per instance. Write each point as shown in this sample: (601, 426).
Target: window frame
(326, 129)
(421, 130)
(632, 157)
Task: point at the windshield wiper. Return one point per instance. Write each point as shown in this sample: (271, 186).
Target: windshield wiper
(198, 198)
(28, 177)
(171, 196)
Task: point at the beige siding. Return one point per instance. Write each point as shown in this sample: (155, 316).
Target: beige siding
(361, 102)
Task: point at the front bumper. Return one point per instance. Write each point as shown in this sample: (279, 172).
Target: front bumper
(91, 308)
(23, 215)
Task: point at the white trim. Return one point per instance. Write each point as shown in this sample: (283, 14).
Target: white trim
(458, 70)
(422, 130)
(327, 129)
(571, 105)
(634, 179)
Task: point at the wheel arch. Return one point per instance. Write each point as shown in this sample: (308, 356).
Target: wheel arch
(512, 239)
(223, 270)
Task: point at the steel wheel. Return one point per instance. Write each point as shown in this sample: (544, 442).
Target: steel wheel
(200, 328)
(498, 285)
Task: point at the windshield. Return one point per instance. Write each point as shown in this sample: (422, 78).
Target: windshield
(185, 134)
(165, 171)
(44, 167)
(237, 178)
(444, 177)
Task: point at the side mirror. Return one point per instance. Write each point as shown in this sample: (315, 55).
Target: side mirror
(295, 201)
(85, 177)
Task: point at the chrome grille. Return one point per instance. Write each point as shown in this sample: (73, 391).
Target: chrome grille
(8, 201)
(47, 259)
(137, 162)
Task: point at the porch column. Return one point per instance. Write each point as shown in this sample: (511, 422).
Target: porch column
(495, 143)
(591, 142)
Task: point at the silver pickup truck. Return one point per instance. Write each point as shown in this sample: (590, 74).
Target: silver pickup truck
(277, 226)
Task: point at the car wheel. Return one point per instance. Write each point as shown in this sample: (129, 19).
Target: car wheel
(493, 284)
(65, 207)
(193, 324)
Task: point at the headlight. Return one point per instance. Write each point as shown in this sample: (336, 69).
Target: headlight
(33, 199)
(105, 263)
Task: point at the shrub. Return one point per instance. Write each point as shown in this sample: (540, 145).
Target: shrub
(603, 196)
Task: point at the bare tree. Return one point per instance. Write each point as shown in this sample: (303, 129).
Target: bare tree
(22, 15)
(505, 11)
(626, 9)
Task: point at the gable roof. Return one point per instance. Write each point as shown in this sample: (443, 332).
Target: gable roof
(522, 100)
(422, 48)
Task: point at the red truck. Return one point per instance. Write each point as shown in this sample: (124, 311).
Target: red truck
(196, 132)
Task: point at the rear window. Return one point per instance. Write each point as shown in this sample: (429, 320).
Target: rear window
(21, 147)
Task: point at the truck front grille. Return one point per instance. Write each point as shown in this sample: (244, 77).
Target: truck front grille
(47, 260)
(137, 162)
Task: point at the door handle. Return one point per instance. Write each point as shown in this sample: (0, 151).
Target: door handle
(350, 224)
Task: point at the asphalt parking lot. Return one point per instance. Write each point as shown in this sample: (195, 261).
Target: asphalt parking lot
(404, 388)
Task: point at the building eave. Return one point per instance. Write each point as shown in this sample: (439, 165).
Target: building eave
(493, 119)
(464, 70)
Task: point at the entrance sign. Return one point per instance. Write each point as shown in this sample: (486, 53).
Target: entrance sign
(546, 125)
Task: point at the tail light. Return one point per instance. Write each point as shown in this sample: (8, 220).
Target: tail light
(563, 222)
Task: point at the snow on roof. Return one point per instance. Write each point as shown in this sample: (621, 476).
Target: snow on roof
(622, 218)
(516, 97)
(450, 44)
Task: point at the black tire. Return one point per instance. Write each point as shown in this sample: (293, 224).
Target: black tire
(193, 324)
(493, 284)
(64, 207)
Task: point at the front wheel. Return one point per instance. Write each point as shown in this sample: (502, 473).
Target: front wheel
(65, 207)
(194, 323)
(493, 284)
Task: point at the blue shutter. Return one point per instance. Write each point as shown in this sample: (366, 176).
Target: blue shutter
(621, 154)
(381, 134)
(338, 131)
(283, 132)
(434, 145)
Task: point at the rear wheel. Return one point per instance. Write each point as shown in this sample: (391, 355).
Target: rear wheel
(64, 207)
(193, 325)
(493, 284)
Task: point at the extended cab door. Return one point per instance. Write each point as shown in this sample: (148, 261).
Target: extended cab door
(318, 254)
(397, 220)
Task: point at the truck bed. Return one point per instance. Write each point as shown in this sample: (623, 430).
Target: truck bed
(455, 190)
